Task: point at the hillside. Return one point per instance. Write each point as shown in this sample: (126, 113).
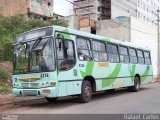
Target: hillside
(6, 69)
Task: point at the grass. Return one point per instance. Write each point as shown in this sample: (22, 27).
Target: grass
(3, 75)
(5, 89)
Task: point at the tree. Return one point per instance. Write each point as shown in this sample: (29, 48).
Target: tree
(11, 26)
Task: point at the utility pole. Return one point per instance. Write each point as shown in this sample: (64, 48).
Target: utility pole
(158, 35)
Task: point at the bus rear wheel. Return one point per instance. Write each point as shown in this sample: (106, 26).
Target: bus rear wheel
(86, 92)
(51, 99)
(136, 86)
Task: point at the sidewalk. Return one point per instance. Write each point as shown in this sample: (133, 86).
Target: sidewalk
(8, 98)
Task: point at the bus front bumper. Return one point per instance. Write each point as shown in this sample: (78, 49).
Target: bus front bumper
(42, 92)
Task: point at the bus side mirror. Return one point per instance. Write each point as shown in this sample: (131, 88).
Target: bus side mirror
(66, 45)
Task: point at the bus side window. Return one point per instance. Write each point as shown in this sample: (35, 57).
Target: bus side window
(147, 57)
(124, 57)
(99, 51)
(140, 56)
(66, 54)
(84, 49)
(133, 56)
(112, 51)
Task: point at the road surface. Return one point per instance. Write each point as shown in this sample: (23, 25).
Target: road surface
(147, 100)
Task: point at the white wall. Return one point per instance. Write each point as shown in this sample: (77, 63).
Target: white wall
(145, 35)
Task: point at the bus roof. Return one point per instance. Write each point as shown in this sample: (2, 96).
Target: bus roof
(89, 35)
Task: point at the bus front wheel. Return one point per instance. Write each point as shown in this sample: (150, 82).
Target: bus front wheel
(86, 92)
(51, 99)
(136, 86)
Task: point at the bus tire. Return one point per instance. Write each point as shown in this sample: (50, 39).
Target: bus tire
(86, 92)
(136, 86)
(51, 99)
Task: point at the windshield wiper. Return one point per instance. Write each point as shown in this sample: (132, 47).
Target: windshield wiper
(36, 43)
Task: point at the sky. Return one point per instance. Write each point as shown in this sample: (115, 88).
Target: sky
(61, 7)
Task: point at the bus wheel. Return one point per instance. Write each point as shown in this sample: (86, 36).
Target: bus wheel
(86, 92)
(51, 99)
(136, 86)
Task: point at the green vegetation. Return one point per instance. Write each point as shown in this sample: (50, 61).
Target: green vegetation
(3, 75)
(5, 87)
(11, 26)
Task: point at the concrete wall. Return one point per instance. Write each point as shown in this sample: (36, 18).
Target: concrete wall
(132, 30)
(41, 7)
(114, 28)
(72, 21)
(13, 7)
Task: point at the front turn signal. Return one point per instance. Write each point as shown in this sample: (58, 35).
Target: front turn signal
(53, 83)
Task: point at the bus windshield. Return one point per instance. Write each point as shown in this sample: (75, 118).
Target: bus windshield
(34, 56)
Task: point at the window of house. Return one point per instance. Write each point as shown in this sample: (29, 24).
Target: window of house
(99, 51)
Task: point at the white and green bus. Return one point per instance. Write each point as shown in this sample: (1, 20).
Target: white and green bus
(55, 61)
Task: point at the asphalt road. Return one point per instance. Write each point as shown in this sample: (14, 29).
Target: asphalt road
(147, 100)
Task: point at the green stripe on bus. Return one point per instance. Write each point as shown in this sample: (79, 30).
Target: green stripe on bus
(66, 36)
(132, 72)
(106, 39)
(144, 76)
(89, 69)
(113, 75)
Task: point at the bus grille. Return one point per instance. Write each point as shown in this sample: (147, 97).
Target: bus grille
(29, 85)
(30, 92)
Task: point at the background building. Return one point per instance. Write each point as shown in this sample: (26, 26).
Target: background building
(90, 11)
(30, 7)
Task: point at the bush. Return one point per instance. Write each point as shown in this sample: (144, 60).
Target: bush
(3, 75)
(5, 89)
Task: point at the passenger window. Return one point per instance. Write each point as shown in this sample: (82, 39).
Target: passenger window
(147, 58)
(66, 54)
(112, 51)
(140, 56)
(124, 57)
(99, 51)
(133, 56)
(84, 49)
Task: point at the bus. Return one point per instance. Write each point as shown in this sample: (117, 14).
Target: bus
(54, 61)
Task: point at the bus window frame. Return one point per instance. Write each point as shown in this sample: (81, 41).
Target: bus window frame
(149, 57)
(140, 57)
(123, 54)
(133, 56)
(117, 51)
(99, 51)
(90, 51)
(74, 48)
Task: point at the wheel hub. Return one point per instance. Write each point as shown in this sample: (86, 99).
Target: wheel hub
(87, 91)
